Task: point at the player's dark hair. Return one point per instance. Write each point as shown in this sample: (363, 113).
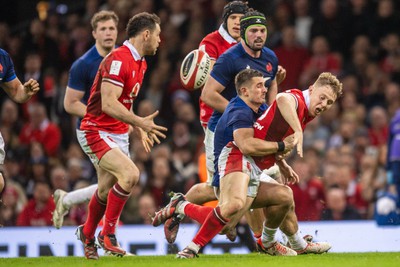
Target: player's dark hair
(251, 18)
(103, 16)
(141, 22)
(234, 7)
(244, 76)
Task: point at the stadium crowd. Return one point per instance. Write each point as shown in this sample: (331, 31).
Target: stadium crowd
(343, 168)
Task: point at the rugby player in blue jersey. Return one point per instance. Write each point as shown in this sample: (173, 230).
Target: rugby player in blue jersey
(17, 91)
(81, 77)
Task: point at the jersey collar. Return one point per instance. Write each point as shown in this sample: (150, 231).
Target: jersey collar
(224, 33)
(133, 50)
(306, 95)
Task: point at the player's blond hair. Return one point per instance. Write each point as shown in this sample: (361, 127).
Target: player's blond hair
(103, 15)
(327, 78)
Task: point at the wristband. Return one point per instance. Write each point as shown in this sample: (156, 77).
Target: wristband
(281, 146)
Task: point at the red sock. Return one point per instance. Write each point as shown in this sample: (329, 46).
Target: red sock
(197, 212)
(96, 211)
(116, 200)
(210, 228)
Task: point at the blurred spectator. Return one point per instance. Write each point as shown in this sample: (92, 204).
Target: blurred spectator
(309, 194)
(302, 21)
(337, 207)
(332, 23)
(346, 181)
(378, 129)
(322, 59)
(386, 20)
(147, 207)
(161, 181)
(292, 57)
(14, 200)
(37, 212)
(40, 129)
(38, 41)
(59, 178)
(10, 125)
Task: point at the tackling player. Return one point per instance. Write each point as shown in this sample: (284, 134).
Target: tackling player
(104, 131)
(239, 181)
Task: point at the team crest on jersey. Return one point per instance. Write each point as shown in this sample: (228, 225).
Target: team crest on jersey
(115, 67)
(268, 67)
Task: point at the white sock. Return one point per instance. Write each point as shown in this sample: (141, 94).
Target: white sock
(79, 196)
(180, 208)
(194, 247)
(268, 236)
(297, 242)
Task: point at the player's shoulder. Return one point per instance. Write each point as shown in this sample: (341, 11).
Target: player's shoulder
(269, 53)
(3, 52)
(4, 56)
(234, 52)
(211, 37)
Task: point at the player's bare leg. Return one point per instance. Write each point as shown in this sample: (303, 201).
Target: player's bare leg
(277, 200)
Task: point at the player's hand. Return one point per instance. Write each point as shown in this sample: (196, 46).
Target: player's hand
(280, 74)
(154, 131)
(31, 87)
(298, 141)
(289, 143)
(147, 142)
(288, 175)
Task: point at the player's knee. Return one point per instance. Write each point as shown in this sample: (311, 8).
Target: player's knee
(232, 207)
(285, 195)
(130, 176)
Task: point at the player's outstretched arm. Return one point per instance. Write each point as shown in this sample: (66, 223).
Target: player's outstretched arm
(19, 92)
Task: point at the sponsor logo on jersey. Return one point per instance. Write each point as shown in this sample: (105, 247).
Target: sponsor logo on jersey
(258, 126)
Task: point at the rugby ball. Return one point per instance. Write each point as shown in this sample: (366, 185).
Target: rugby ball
(195, 69)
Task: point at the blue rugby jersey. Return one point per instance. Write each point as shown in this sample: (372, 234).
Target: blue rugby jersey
(7, 72)
(231, 63)
(237, 115)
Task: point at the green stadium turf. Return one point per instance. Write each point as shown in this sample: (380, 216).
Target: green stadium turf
(226, 260)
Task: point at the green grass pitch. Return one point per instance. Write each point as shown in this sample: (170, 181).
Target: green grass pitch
(226, 260)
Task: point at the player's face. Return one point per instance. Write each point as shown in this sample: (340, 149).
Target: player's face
(321, 99)
(256, 37)
(153, 41)
(233, 25)
(106, 34)
(257, 91)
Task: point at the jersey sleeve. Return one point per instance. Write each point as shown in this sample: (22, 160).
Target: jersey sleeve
(10, 72)
(77, 78)
(114, 70)
(242, 118)
(223, 70)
